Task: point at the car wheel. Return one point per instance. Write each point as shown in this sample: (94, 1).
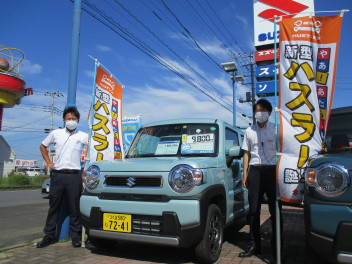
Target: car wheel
(209, 248)
(312, 257)
(101, 243)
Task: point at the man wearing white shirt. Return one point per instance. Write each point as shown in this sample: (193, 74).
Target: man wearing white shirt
(66, 179)
(259, 173)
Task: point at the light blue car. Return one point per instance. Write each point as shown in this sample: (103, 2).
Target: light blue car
(179, 185)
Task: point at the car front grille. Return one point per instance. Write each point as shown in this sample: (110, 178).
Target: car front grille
(146, 225)
(133, 181)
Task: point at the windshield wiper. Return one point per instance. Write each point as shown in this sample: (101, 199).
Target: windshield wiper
(140, 156)
(197, 154)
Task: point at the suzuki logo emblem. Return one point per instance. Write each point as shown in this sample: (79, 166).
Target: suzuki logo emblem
(131, 181)
(291, 8)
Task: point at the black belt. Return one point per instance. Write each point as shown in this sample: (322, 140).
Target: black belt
(263, 166)
(66, 171)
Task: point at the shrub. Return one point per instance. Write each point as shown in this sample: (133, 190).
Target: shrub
(38, 180)
(17, 180)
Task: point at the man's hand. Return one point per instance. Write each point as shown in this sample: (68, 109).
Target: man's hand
(51, 165)
(244, 182)
(246, 158)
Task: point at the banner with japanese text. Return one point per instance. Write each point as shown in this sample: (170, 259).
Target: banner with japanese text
(130, 126)
(308, 58)
(106, 133)
(25, 163)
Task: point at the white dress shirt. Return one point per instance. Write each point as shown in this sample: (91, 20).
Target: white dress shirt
(260, 143)
(68, 148)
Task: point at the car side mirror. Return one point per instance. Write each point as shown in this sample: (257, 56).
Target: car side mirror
(236, 152)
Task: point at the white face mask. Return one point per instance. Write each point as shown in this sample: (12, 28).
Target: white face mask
(262, 117)
(71, 124)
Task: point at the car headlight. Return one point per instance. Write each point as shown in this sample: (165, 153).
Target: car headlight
(328, 179)
(91, 178)
(183, 178)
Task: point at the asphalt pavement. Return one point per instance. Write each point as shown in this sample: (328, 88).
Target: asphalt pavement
(123, 253)
(23, 214)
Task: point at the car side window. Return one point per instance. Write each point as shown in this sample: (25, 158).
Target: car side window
(231, 139)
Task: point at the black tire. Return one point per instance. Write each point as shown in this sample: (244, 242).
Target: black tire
(313, 258)
(101, 243)
(209, 248)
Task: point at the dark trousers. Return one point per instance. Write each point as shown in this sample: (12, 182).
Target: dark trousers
(69, 186)
(260, 180)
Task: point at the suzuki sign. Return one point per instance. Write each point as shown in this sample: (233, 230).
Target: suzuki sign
(266, 55)
(264, 12)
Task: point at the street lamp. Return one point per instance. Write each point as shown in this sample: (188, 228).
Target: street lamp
(231, 67)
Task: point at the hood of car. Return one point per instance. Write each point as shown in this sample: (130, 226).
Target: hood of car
(342, 158)
(155, 164)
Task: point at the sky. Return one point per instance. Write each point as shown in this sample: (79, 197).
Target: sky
(135, 40)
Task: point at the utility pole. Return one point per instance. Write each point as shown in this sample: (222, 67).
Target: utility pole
(52, 107)
(250, 97)
(73, 72)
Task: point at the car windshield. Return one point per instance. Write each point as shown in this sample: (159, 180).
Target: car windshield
(339, 133)
(175, 140)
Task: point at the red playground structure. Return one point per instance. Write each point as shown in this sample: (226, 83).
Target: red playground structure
(12, 87)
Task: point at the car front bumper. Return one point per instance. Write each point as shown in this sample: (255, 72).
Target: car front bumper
(328, 230)
(152, 222)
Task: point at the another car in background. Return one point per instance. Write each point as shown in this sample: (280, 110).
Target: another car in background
(46, 187)
(32, 172)
(328, 194)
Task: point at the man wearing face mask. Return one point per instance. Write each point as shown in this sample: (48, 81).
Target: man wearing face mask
(259, 174)
(66, 180)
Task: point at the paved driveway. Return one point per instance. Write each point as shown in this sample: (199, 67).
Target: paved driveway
(63, 252)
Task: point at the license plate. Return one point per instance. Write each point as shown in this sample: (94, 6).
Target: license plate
(117, 222)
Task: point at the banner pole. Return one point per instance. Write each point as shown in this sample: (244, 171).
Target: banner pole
(91, 113)
(277, 210)
(87, 161)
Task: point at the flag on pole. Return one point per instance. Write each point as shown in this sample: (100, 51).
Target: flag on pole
(130, 126)
(106, 132)
(308, 59)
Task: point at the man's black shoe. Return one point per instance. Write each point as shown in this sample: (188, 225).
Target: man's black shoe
(46, 241)
(249, 252)
(76, 242)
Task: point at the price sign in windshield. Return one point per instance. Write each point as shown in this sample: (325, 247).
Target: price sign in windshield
(199, 143)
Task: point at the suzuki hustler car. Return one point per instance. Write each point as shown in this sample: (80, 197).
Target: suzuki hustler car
(179, 185)
(328, 194)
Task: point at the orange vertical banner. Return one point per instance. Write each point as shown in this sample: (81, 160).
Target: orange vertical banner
(308, 59)
(106, 133)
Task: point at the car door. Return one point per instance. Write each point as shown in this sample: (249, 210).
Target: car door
(235, 172)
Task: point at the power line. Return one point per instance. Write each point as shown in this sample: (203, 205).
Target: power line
(203, 24)
(189, 34)
(141, 46)
(212, 21)
(168, 47)
(224, 26)
(123, 32)
(29, 123)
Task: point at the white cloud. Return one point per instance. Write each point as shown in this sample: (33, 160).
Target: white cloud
(28, 68)
(214, 48)
(89, 73)
(159, 104)
(243, 20)
(104, 48)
